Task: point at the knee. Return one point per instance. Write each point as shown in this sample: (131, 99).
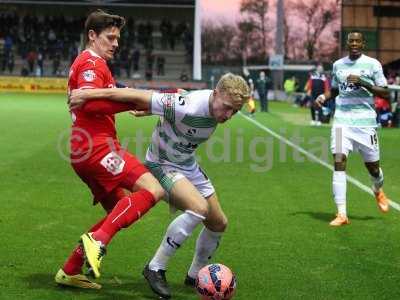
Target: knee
(157, 191)
(219, 225)
(374, 171)
(200, 208)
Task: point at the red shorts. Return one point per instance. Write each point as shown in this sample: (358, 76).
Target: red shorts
(113, 170)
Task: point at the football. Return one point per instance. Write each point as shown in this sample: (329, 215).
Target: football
(215, 282)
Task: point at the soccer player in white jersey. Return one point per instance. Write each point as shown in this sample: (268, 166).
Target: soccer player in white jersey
(186, 120)
(356, 79)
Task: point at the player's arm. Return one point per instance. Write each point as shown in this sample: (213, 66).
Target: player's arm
(307, 87)
(331, 91)
(139, 98)
(380, 91)
(329, 94)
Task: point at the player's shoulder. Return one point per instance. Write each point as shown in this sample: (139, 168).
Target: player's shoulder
(198, 95)
(89, 59)
(197, 102)
(340, 61)
(371, 60)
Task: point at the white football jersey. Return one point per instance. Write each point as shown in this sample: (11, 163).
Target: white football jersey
(185, 122)
(355, 104)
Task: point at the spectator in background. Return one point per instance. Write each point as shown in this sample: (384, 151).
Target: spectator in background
(148, 73)
(148, 35)
(164, 29)
(184, 76)
(395, 95)
(73, 52)
(56, 64)
(2, 56)
(10, 62)
(149, 59)
(8, 45)
(317, 85)
(396, 114)
(125, 61)
(142, 38)
(262, 86)
(40, 61)
(188, 43)
(135, 59)
(160, 65)
(290, 87)
(52, 39)
(171, 35)
(31, 59)
(383, 112)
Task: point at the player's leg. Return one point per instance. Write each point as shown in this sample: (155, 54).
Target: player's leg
(262, 102)
(71, 273)
(184, 196)
(131, 207)
(340, 146)
(369, 149)
(127, 210)
(376, 175)
(312, 110)
(208, 239)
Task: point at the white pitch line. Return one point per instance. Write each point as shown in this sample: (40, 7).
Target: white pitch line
(311, 156)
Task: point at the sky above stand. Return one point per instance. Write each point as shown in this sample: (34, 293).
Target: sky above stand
(220, 10)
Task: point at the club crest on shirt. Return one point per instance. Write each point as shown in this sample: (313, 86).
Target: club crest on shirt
(89, 75)
(168, 100)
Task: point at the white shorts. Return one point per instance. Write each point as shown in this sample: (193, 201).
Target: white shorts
(364, 140)
(167, 175)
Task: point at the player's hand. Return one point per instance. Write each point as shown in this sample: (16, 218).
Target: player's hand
(355, 79)
(320, 100)
(139, 113)
(76, 99)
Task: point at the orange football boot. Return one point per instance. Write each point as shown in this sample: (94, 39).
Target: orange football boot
(340, 220)
(382, 201)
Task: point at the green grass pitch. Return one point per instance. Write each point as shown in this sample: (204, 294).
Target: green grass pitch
(278, 241)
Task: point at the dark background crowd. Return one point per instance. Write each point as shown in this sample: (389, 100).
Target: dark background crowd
(32, 45)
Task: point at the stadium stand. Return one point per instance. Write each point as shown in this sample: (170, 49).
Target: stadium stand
(41, 44)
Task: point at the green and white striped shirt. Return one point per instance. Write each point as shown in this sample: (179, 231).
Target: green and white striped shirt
(185, 122)
(355, 104)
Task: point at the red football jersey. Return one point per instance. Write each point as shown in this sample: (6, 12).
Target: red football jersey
(93, 124)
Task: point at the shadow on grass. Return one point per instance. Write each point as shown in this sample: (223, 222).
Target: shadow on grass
(327, 217)
(124, 288)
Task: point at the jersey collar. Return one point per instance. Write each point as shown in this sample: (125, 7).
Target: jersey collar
(94, 53)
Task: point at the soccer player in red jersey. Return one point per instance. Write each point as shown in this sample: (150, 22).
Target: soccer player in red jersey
(97, 156)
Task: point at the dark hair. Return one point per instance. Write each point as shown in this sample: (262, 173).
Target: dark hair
(100, 20)
(356, 31)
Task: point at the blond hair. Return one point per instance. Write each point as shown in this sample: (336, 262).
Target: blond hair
(235, 87)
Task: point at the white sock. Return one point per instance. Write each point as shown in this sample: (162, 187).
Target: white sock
(339, 191)
(377, 182)
(206, 244)
(177, 233)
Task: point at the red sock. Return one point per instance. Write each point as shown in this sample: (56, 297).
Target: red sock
(75, 261)
(128, 210)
